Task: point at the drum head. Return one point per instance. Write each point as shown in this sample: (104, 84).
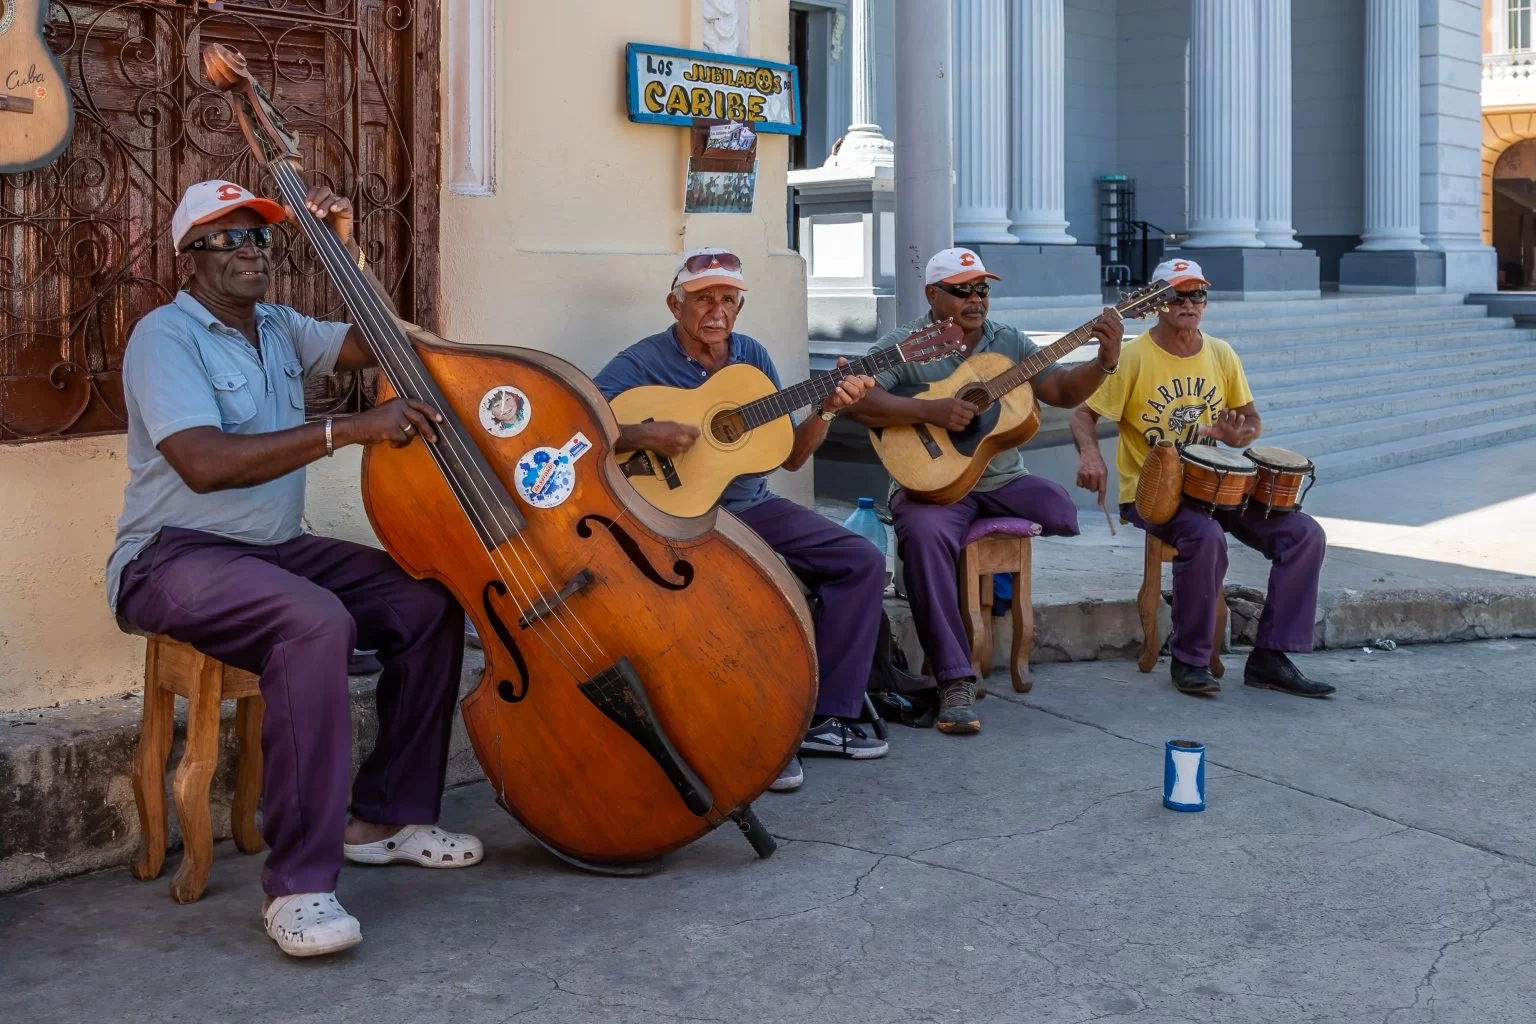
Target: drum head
(1279, 458)
(1223, 460)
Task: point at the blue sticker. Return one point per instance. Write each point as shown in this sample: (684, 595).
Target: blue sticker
(545, 477)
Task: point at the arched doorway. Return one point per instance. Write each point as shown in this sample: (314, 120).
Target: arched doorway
(1514, 215)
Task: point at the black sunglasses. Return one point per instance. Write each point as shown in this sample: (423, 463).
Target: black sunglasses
(965, 291)
(1194, 298)
(230, 239)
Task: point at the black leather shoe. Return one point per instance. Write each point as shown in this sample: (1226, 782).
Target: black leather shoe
(1273, 670)
(1193, 678)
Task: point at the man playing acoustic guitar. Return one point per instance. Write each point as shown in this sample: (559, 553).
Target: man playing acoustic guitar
(845, 572)
(928, 536)
(1179, 384)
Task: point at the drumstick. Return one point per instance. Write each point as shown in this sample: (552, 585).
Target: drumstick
(1105, 509)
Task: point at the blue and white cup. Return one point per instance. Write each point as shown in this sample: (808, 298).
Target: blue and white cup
(1184, 775)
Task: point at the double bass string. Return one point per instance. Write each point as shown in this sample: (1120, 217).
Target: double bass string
(361, 299)
(329, 249)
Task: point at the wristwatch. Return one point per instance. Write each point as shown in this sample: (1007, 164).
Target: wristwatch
(826, 416)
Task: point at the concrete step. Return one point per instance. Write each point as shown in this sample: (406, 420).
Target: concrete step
(1384, 351)
(1421, 448)
(1360, 409)
(1225, 314)
(1296, 395)
(1281, 375)
(1315, 442)
(1287, 332)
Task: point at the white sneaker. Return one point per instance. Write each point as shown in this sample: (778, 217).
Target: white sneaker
(790, 778)
(311, 924)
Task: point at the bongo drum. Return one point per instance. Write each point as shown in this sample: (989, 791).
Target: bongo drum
(1216, 479)
(1281, 473)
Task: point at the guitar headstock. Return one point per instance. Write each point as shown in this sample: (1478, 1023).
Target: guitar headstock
(935, 341)
(1147, 300)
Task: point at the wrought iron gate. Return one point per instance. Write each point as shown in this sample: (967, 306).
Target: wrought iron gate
(84, 243)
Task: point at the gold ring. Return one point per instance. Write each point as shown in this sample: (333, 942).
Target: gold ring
(408, 428)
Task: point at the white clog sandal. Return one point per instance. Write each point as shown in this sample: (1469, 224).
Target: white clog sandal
(426, 845)
(311, 924)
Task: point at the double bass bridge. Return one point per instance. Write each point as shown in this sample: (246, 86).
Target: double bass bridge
(619, 693)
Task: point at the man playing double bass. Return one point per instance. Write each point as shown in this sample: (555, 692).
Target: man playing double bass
(211, 551)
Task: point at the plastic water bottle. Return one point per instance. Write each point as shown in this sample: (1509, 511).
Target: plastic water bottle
(866, 524)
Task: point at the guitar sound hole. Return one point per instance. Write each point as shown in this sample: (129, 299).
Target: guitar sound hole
(728, 427)
(976, 395)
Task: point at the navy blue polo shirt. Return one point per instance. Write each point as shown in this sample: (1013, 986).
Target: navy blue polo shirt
(661, 360)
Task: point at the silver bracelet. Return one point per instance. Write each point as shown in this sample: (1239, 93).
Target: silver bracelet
(329, 450)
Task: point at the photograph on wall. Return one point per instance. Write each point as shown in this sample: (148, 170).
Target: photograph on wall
(720, 191)
(731, 137)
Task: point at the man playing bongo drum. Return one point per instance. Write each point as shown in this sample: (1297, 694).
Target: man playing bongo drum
(1176, 383)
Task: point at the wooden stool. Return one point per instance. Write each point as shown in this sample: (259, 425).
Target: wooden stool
(993, 546)
(172, 668)
(1151, 595)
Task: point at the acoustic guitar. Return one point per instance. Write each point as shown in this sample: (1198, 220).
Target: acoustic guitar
(941, 466)
(743, 422)
(37, 116)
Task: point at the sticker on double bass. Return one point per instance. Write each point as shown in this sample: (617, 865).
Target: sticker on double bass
(577, 446)
(545, 477)
(505, 411)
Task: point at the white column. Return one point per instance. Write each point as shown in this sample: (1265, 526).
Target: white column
(470, 117)
(924, 157)
(1274, 41)
(864, 145)
(1391, 126)
(1223, 136)
(981, 121)
(1038, 60)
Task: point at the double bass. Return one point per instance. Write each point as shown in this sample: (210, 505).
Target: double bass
(646, 678)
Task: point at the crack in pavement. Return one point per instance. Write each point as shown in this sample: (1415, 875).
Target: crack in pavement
(1470, 844)
(1427, 982)
(556, 986)
(910, 859)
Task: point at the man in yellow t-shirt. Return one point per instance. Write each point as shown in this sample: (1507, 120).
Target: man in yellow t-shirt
(1177, 383)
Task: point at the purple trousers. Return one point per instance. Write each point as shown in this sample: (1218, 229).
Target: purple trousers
(292, 613)
(846, 576)
(928, 540)
(1292, 541)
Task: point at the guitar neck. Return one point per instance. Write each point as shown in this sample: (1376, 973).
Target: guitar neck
(816, 390)
(1025, 369)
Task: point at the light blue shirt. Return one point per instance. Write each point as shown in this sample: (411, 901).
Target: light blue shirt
(184, 368)
(661, 360)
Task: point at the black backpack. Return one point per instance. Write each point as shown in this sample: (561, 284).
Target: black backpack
(897, 694)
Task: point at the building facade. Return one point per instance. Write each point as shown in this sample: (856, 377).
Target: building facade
(1290, 144)
(1509, 140)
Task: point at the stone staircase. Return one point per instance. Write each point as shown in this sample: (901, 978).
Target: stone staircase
(1366, 383)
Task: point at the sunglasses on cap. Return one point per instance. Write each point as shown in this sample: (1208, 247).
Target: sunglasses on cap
(229, 239)
(703, 261)
(1195, 298)
(964, 291)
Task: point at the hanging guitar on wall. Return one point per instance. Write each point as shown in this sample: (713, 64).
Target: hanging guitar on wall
(37, 112)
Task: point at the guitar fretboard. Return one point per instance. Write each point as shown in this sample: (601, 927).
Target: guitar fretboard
(810, 392)
(1025, 369)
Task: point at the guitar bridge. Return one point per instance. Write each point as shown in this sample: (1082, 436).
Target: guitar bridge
(934, 451)
(16, 104)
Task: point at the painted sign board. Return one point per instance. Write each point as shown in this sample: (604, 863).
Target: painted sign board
(667, 85)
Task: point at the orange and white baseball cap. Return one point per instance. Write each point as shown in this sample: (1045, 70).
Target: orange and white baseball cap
(705, 268)
(207, 201)
(956, 266)
(1179, 271)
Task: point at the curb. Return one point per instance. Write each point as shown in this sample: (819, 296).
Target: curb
(66, 792)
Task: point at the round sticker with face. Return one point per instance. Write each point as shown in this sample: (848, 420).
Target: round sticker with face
(504, 411)
(545, 477)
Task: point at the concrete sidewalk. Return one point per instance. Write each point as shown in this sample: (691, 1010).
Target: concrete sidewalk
(1365, 860)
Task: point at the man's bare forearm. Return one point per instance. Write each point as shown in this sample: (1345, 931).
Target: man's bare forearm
(209, 460)
(1085, 432)
(880, 408)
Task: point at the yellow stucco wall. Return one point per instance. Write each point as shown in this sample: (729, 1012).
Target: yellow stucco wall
(573, 254)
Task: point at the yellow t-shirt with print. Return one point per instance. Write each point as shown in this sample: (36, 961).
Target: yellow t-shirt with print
(1158, 396)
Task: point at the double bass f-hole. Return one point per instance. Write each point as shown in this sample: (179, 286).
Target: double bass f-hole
(682, 569)
(505, 688)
